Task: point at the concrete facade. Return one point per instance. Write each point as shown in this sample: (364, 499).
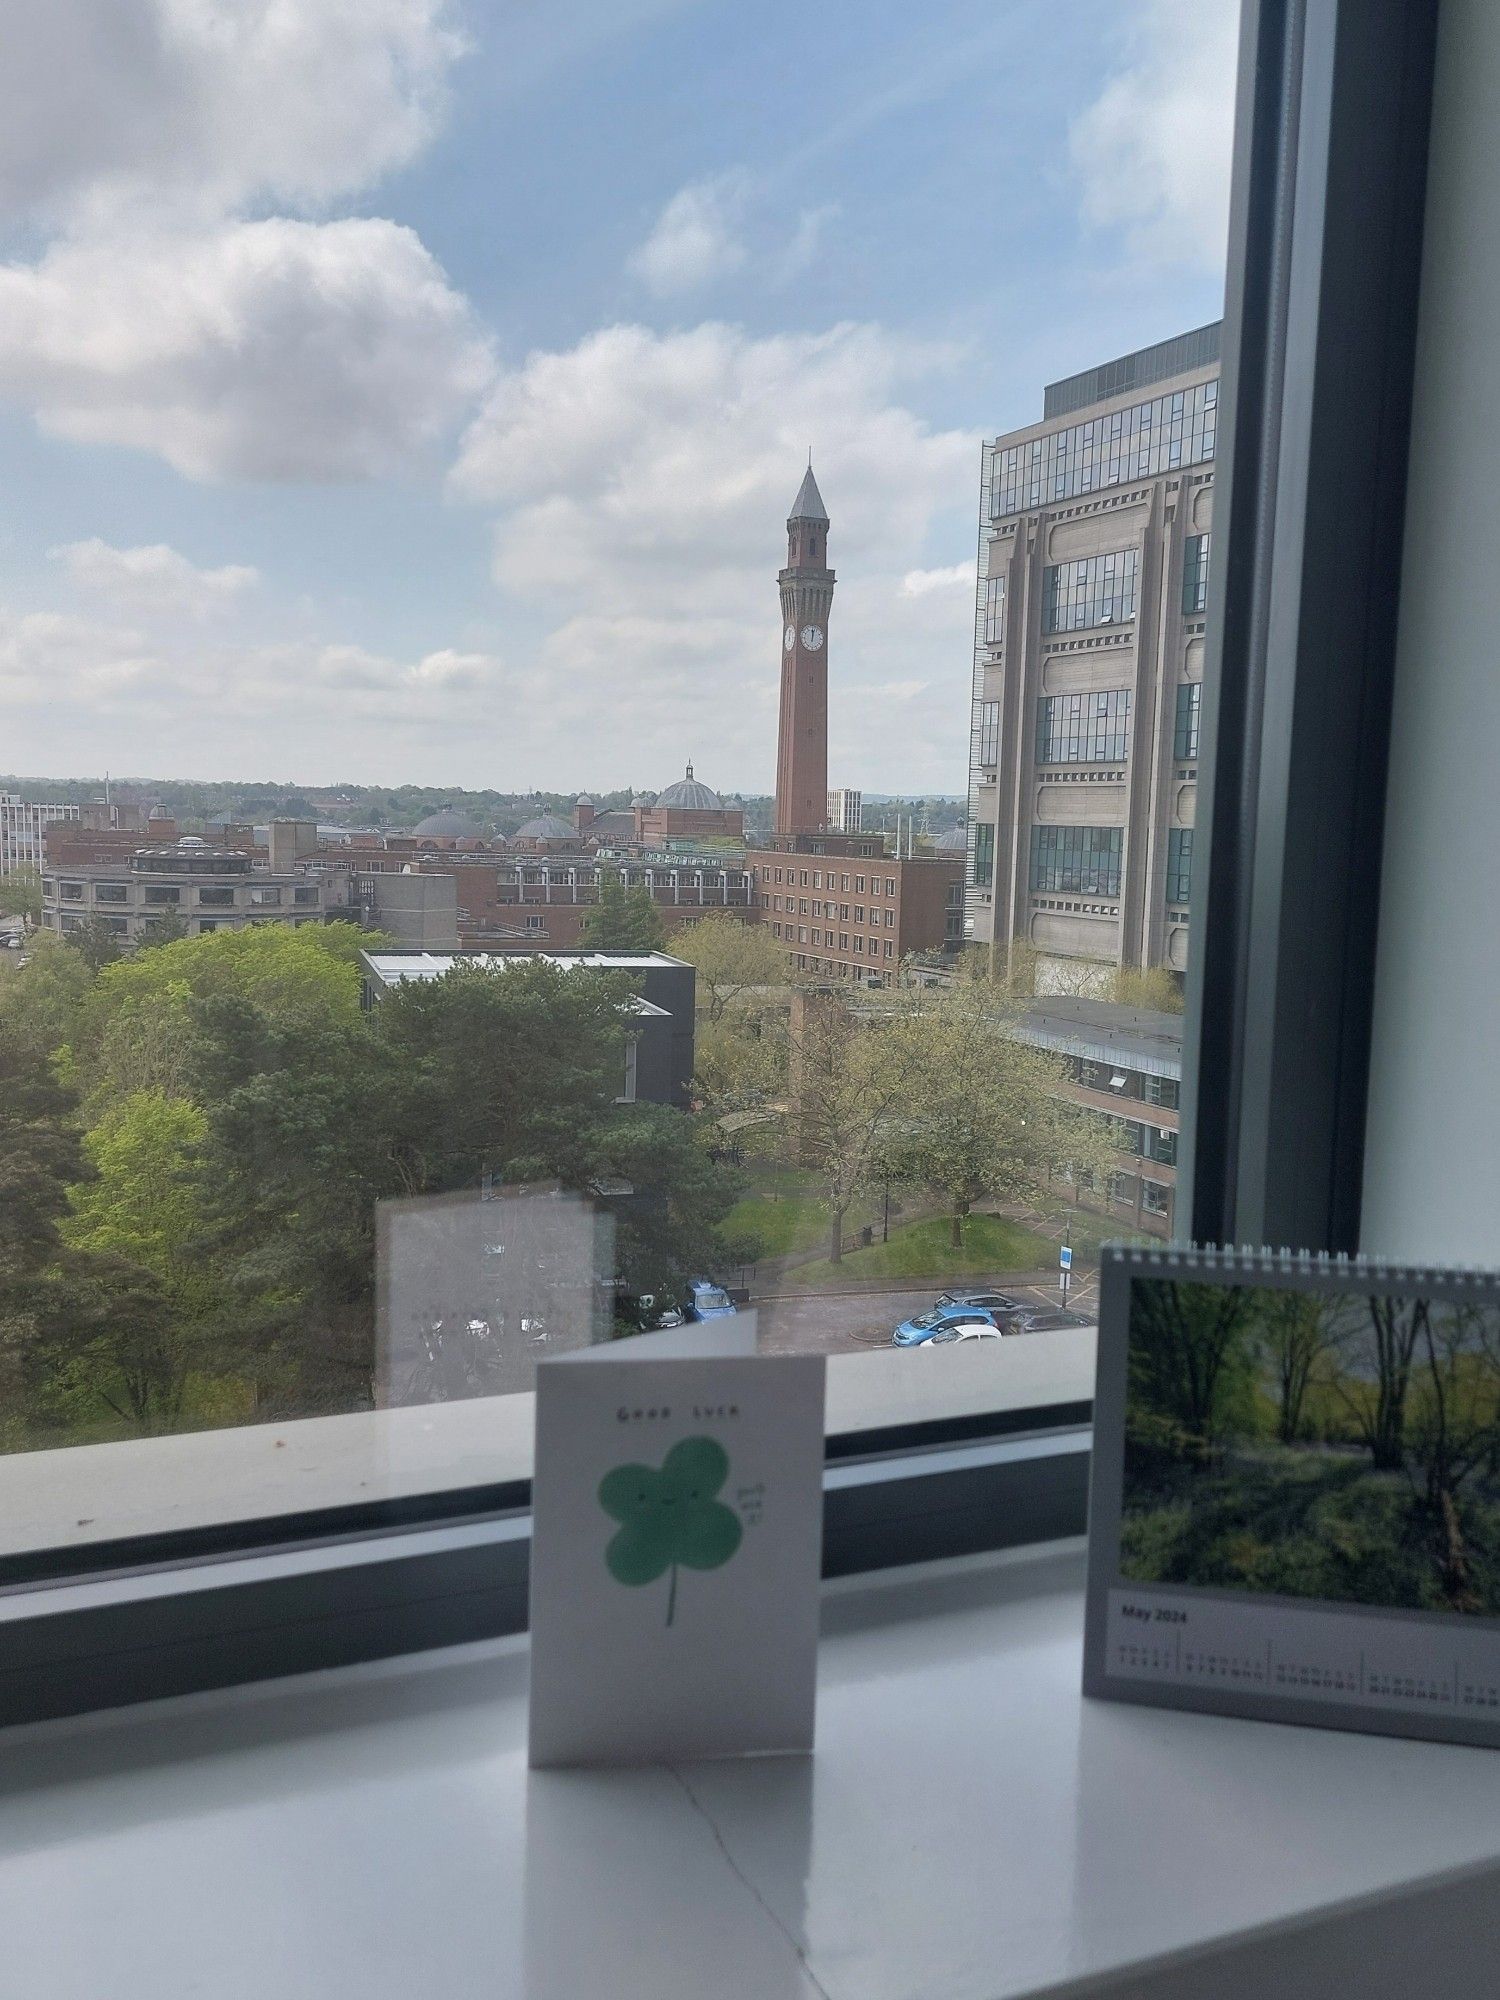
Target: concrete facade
(1094, 545)
(23, 828)
(208, 888)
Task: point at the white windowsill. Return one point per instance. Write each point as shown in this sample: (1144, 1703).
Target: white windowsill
(71, 1497)
(969, 1829)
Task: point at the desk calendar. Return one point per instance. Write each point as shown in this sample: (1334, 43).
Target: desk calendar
(1295, 1505)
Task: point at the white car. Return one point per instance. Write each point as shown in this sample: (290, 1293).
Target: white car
(964, 1329)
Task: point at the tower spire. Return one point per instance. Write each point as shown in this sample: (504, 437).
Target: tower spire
(806, 586)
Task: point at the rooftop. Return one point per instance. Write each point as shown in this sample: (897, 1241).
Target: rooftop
(1100, 1031)
(393, 968)
(1184, 351)
(808, 505)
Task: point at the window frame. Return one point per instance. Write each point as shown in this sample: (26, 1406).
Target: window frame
(1326, 223)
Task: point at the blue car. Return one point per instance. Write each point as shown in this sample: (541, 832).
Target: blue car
(706, 1300)
(913, 1332)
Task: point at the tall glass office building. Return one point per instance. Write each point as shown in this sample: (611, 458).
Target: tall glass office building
(1095, 536)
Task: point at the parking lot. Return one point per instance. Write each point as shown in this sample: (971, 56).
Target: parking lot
(849, 1323)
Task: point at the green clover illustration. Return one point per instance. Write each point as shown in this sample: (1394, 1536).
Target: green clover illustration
(670, 1517)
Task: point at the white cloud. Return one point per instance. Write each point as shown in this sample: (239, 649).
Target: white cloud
(259, 350)
(695, 238)
(923, 582)
(807, 240)
(203, 105)
(645, 480)
(154, 580)
(177, 702)
(1152, 152)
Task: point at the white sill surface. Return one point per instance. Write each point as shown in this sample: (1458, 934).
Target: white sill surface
(968, 1829)
(73, 1496)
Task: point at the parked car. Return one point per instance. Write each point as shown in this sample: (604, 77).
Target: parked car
(965, 1330)
(925, 1326)
(706, 1300)
(1000, 1302)
(1046, 1319)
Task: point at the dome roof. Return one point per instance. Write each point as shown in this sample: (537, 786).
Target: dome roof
(688, 795)
(449, 825)
(644, 799)
(583, 799)
(547, 826)
(954, 841)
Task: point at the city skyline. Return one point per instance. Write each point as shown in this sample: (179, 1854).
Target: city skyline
(406, 447)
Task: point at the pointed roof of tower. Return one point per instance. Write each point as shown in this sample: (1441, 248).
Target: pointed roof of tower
(808, 505)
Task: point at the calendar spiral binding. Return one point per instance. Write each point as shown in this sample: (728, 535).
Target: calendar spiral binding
(1217, 1260)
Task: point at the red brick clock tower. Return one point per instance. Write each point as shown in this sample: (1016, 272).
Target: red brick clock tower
(806, 593)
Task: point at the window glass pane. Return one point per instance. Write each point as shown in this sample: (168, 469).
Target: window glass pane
(468, 887)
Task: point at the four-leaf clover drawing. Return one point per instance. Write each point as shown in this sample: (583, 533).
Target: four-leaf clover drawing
(670, 1517)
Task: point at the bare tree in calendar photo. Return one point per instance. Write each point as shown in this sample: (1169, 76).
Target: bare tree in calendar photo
(1334, 1444)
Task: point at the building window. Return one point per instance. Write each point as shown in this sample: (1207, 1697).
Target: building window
(859, 885)
(993, 588)
(859, 945)
(1155, 1199)
(890, 885)
(890, 918)
(155, 894)
(843, 940)
(844, 885)
(1163, 1090)
(1195, 574)
(304, 895)
(1096, 590)
(536, 923)
(632, 1051)
(1083, 728)
(118, 925)
(1076, 860)
(110, 892)
(859, 913)
(1161, 1147)
(264, 899)
(1180, 428)
(987, 753)
(801, 935)
(217, 899)
(1185, 734)
(890, 949)
(984, 856)
(1179, 863)
(72, 892)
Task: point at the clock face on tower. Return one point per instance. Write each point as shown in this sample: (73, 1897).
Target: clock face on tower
(812, 637)
(791, 637)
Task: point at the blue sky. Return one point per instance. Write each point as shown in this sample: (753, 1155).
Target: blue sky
(417, 392)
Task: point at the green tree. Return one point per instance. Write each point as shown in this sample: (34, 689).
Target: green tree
(1296, 1338)
(40, 1008)
(167, 928)
(143, 1207)
(846, 1082)
(624, 920)
(21, 894)
(669, 1227)
(94, 941)
(135, 1030)
(982, 1115)
(731, 958)
(1190, 1355)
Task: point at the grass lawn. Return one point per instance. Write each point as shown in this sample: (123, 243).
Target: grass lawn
(784, 1212)
(923, 1250)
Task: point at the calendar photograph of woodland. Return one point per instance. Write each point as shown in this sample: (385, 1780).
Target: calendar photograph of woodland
(1344, 1446)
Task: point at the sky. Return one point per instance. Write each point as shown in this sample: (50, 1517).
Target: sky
(415, 390)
